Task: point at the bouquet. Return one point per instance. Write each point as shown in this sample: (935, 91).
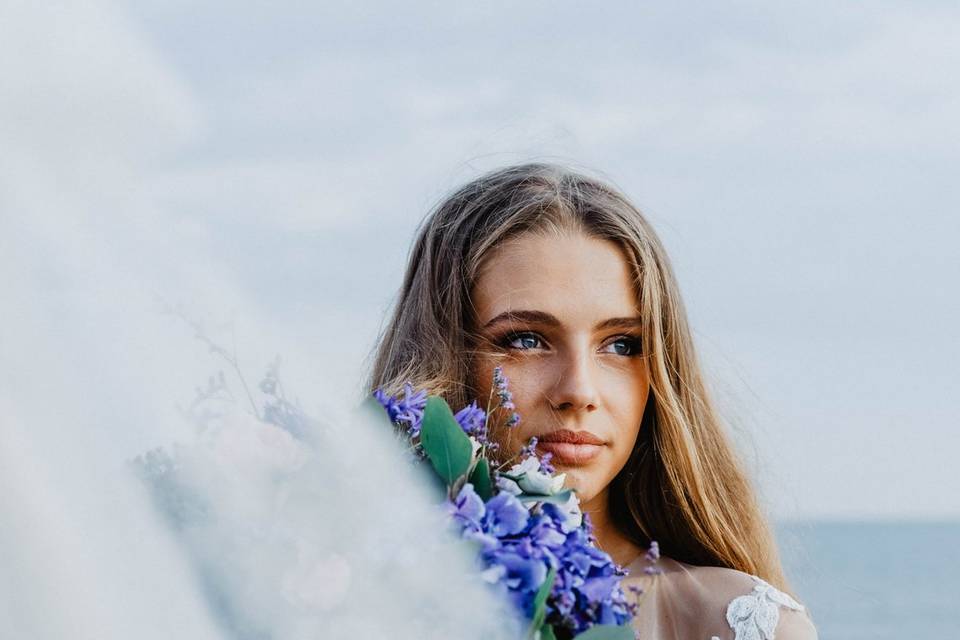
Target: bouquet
(532, 542)
(282, 518)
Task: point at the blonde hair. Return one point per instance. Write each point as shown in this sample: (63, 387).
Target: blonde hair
(683, 485)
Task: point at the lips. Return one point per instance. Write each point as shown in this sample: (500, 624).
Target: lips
(571, 448)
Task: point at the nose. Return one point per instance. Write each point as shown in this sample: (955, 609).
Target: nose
(575, 388)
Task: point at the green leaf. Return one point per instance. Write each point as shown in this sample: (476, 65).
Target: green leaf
(556, 498)
(443, 440)
(607, 632)
(546, 632)
(480, 479)
(540, 600)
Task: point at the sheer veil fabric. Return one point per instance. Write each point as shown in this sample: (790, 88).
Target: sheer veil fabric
(688, 602)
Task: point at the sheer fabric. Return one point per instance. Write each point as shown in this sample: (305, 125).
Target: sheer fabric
(687, 602)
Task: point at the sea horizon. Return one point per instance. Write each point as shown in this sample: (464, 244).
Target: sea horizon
(875, 578)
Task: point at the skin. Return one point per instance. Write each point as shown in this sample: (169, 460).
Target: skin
(570, 374)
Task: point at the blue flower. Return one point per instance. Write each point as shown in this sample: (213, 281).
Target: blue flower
(599, 589)
(408, 411)
(546, 533)
(505, 515)
(472, 419)
(468, 508)
(519, 546)
(524, 573)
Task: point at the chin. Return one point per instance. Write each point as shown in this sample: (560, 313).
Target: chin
(580, 479)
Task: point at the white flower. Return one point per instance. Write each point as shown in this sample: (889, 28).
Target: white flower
(532, 480)
(530, 463)
(558, 483)
(541, 483)
(508, 485)
(572, 510)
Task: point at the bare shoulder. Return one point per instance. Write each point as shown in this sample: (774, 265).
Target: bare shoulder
(751, 608)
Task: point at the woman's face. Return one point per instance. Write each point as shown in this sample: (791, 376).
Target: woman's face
(559, 314)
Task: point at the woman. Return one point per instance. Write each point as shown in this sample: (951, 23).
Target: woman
(556, 277)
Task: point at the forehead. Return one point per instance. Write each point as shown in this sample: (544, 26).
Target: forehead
(575, 277)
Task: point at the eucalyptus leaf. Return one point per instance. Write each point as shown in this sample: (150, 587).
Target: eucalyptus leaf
(480, 479)
(607, 632)
(556, 498)
(444, 442)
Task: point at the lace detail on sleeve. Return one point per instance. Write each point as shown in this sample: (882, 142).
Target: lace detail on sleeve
(755, 615)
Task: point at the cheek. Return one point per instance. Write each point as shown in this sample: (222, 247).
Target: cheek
(626, 402)
(627, 391)
(528, 383)
(629, 401)
(525, 381)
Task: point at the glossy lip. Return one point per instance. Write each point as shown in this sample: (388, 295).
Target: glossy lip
(571, 448)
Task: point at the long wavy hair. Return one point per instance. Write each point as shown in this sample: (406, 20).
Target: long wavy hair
(683, 485)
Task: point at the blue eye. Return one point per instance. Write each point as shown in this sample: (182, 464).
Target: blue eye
(626, 346)
(523, 341)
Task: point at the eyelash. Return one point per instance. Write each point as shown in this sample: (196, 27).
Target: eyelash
(507, 339)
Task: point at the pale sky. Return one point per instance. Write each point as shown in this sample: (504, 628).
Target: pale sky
(266, 164)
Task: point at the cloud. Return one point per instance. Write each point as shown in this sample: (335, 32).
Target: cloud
(268, 165)
(80, 81)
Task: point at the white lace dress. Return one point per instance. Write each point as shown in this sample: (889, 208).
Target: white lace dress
(687, 602)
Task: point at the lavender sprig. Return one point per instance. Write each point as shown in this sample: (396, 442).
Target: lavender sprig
(506, 398)
(652, 555)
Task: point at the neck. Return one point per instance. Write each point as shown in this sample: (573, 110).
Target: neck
(609, 538)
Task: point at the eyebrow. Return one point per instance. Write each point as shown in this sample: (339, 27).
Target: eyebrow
(542, 317)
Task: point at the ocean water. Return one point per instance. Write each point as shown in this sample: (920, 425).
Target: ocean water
(876, 580)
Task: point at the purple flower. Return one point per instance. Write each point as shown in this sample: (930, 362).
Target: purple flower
(408, 411)
(472, 420)
(653, 553)
(518, 549)
(599, 588)
(545, 463)
(499, 380)
(505, 397)
(530, 449)
(505, 515)
(524, 573)
(547, 533)
(468, 507)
